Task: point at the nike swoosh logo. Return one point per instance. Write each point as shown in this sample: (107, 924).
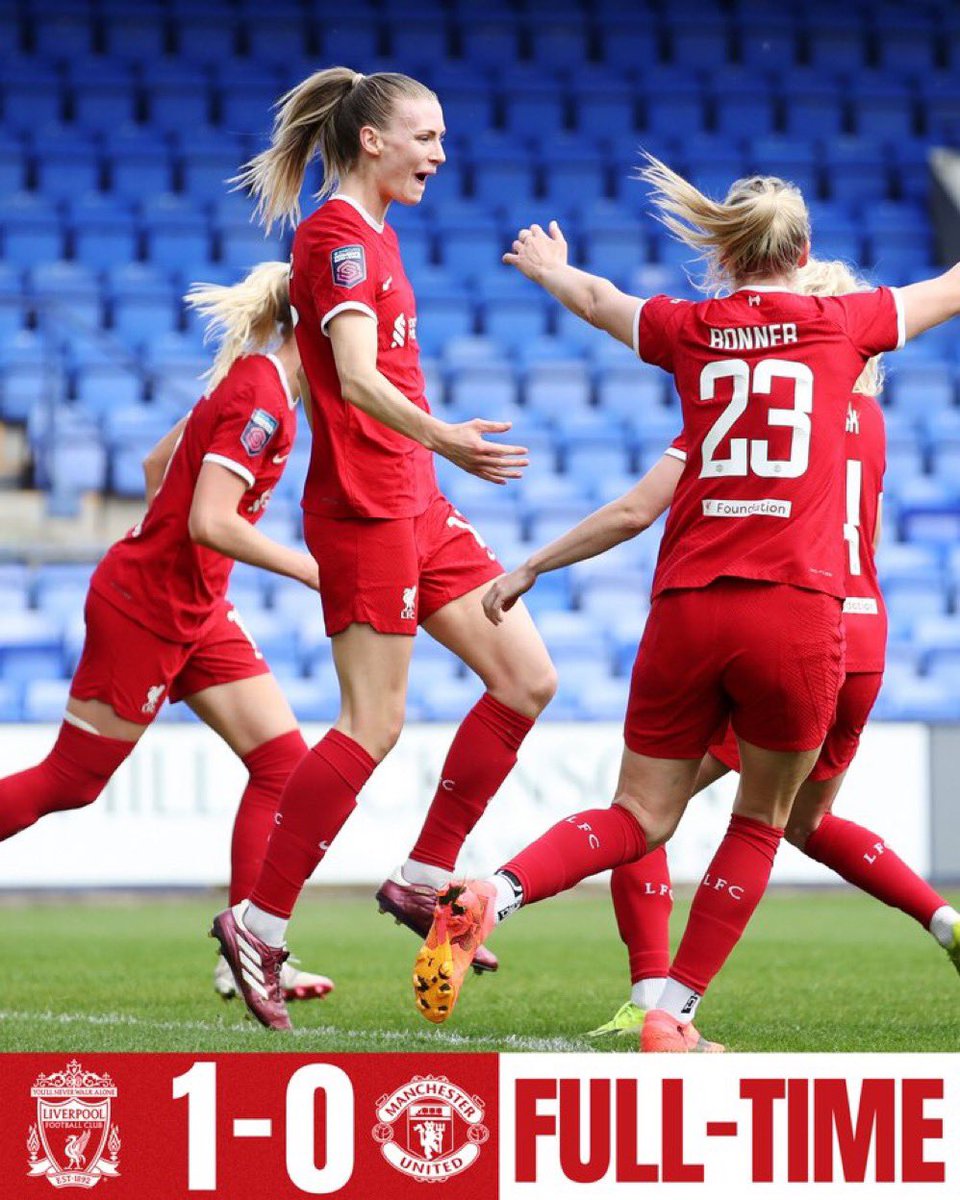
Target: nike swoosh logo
(387, 282)
(280, 458)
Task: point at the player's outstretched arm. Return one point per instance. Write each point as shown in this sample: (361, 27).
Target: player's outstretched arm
(158, 459)
(931, 302)
(616, 522)
(214, 522)
(353, 336)
(542, 257)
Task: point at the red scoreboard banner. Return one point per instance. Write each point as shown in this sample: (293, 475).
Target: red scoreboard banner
(483, 1126)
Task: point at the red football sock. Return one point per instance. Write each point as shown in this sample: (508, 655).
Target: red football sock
(725, 900)
(319, 796)
(861, 858)
(72, 775)
(270, 765)
(481, 756)
(573, 849)
(643, 901)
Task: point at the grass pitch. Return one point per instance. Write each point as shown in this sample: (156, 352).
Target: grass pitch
(817, 971)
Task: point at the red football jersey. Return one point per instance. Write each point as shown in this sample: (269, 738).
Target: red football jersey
(764, 378)
(865, 615)
(344, 259)
(157, 574)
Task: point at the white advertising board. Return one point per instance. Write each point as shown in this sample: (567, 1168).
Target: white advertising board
(165, 818)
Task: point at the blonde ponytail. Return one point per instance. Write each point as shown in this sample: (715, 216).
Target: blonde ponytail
(322, 115)
(247, 318)
(760, 229)
(831, 277)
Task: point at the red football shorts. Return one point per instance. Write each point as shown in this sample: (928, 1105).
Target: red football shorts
(135, 671)
(766, 656)
(854, 705)
(394, 573)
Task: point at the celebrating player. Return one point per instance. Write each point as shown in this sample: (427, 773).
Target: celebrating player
(746, 620)
(641, 891)
(158, 622)
(393, 553)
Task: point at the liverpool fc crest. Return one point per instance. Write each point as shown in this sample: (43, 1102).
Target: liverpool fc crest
(73, 1142)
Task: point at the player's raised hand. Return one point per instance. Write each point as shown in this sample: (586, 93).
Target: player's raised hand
(465, 445)
(536, 251)
(504, 592)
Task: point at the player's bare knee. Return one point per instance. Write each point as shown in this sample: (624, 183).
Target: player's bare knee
(799, 828)
(376, 734)
(657, 827)
(527, 691)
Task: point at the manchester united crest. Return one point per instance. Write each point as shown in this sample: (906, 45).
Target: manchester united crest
(73, 1143)
(430, 1129)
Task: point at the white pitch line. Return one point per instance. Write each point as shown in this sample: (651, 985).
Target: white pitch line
(445, 1038)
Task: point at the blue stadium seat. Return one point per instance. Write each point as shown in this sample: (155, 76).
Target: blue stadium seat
(614, 251)
(248, 107)
(576, 180)
(902, 48)
(181, 245)
(417, 40)
(768, 43)
(30, 645)
(493, 180)
(468, 251)
(838, 48)
(557, 389)
(24, 387)
(490, 41)
(137, 37)
(628, 44)
(815, 112)
(105, 387)
(353, 40)
(919, 387)
(485, 388)
(633, 393)
(31, 239)
(675, 113)
(178, 105)
(515, 322)
(100, 243)
(31, 97)
(13, 170)
(597, 458)
(883, 110)
(606, 112)
(211, 37)
(243, 246)
(440, 320)
(137, 318)
(69, 174)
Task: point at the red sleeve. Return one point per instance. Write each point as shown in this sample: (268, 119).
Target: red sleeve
(341, 258)
(873, 321)
(248, 419)
(656, 330)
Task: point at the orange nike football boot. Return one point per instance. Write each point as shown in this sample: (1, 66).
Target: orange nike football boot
(462, 919)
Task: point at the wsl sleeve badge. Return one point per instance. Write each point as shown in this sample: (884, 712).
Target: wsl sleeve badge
(73, 1143)
(258, 431)
(430, 1129)
(349, 266)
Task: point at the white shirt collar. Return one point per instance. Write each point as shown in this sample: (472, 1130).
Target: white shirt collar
(291, 399)
(377, 225)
